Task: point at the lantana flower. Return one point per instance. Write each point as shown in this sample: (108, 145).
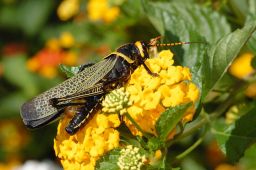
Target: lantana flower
(101, 10)
(152, 95)
(97, 10)
(68, 9)
(81, 150)
(241, 68)
(147, 96)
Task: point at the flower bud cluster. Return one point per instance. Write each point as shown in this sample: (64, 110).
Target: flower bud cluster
(131, 158)
(116, 102)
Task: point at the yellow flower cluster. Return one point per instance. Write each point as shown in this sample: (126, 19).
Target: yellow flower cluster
(65, 40)
(241, 66)
(232, 115)
(152, 95)
(101, 10)
(14, 138)
(68, 9)
(251, 90)
(98, 10)
(81, 150)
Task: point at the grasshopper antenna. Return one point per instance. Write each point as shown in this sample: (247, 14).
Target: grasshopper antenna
(176, 44)
(154, 43)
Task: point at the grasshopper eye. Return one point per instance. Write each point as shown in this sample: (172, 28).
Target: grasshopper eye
(145, 48)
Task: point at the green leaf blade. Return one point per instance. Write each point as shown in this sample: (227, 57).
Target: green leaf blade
(221, 54)
(33, 15)
(68, 70)
(248, 161)
(235, 138)
(169, 120)
(109, 161)
(21, 77)
(204, 21)
(251, 16)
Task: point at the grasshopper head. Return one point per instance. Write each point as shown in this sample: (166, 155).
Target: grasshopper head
(143, 49)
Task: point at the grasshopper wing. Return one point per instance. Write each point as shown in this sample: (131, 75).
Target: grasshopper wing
(40, 110)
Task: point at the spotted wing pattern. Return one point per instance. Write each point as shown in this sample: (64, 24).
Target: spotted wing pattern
(40, 107)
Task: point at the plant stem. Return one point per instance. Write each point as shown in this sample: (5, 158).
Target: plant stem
(136, 125)
(190, 149)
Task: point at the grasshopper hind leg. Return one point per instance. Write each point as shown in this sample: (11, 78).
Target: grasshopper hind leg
(84, 114)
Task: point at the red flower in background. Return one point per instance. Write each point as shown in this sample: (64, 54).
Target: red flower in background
(13, 48)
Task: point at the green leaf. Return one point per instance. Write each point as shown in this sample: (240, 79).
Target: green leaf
(248, 161)
(239, 9)
(253, 63)
(251, 16)
(15, 72)
(191, 164)
(220, 55)
(161, 165)
(29, 15)
(33, 14)
(109, 161)
(221, 89)
(68, 70)
(10, 105)
(204, 21)
(7, 12)
(169, 120)
(155, 143)
(136, 8)
(176, 168)
(170, 19)
(235, 138)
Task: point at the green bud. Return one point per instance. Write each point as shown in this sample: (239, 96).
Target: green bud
(131, 158)
(116, 101)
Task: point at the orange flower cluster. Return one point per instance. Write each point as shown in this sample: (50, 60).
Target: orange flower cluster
(45, 62)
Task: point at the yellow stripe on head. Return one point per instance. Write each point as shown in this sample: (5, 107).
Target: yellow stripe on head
(139, 46)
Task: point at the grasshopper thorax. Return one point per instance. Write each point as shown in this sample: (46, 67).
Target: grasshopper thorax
(134, 53)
